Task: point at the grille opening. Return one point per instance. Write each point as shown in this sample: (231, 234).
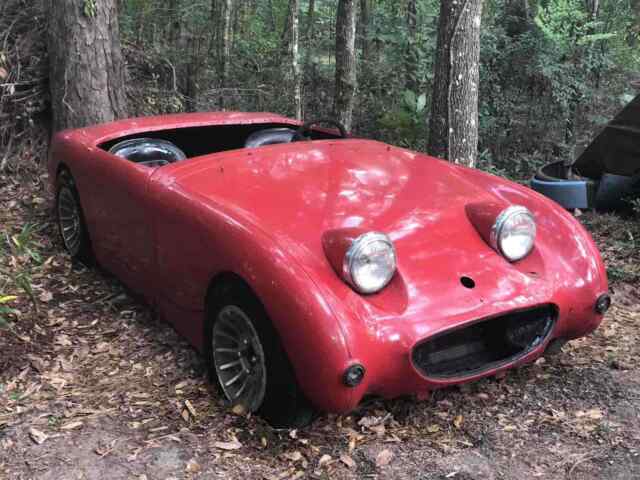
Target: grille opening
(467, 282)
(484, 345)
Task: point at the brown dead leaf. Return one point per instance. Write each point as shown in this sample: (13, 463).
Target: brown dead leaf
(348, 461)
(457, 422)
(324, 460)
(384, 458)
(193, 466)
(63, 340)
(189, 406)
(295, 456)
(71, 425)
(37, 436)
(233, 445)
(3, 74)
(239, 409)
(433, 428)
(46, 296)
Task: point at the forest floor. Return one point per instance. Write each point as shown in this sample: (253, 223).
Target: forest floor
(93, 386)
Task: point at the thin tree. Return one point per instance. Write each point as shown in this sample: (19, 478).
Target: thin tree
(294, 55)
(411, 54)
(346, 81)
(224, 48)
(86, 69)
(453, 126)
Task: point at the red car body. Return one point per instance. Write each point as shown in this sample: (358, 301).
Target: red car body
(267, 215)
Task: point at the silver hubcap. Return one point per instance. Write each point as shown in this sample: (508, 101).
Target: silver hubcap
(239, 358)
(69, 218)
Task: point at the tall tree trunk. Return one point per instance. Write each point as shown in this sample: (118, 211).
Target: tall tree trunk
(294, 55)
(346, 81)
(453, 127)
(364, 30)
(86, 69)
(309, 67)
(411, 54)
(224, 48)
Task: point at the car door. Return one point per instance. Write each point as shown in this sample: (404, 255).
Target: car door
(115, 193)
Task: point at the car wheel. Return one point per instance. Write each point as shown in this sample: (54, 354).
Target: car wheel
(71, 223)
(249, 363)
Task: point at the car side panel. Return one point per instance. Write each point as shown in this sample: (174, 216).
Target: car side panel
(196, 240)
(116, 207)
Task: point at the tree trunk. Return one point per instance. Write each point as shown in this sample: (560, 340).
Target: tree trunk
(224, 49)
(309, 66)
(294, 55)
(411, 54)
(86, 69)
(453, 128)
(364, 30)
(346, 82)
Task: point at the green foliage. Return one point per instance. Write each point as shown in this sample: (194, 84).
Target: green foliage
(550, 75)
(21, 251)
(406, 122)
(89, 8)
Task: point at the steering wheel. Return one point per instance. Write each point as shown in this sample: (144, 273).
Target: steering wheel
(306, 128)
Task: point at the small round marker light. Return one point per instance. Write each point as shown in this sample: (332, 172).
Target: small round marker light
(603, 303)
(353, 375)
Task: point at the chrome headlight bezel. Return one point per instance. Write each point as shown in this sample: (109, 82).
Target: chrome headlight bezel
(498, 231)
(356, 250)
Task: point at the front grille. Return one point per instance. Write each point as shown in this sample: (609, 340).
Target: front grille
(484, 345)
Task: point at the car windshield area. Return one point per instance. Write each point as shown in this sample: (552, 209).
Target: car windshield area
(158, 148)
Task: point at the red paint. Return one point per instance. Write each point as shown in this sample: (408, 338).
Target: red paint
(263, 214)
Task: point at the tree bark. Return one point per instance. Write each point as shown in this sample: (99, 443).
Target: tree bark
(294, 6)
(411, 55)
(453, 127)
(346, 81)
(364, 30)
(224, 48)
(86, 69)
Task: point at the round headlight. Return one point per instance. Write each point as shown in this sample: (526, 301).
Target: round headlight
(514, 233)
(370, 262)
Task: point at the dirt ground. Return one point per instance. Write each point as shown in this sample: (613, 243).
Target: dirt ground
(93, 386)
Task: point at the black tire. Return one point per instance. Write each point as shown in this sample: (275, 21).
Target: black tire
(66, 191)
(284, 404)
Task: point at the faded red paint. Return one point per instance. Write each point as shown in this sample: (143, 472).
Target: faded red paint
(262, 214)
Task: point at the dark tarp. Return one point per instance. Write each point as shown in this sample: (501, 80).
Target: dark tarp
(616, 149)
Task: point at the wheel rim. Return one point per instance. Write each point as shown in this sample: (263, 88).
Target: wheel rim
(69, 220)
(239, 358)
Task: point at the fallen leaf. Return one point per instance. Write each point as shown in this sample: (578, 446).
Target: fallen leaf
(185, 414)
(193, 466)
(458, 421)
(324, 460)
(37, 436)
(348, 461)
(239, 409)
(189, 406)
(46, 296)
(433, 428)
(384, 458)
(3, 73)
(293, 456)
(71, 425)
(233, 445)
(63, 340)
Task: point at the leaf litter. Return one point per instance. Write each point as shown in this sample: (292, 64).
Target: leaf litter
(93, 367)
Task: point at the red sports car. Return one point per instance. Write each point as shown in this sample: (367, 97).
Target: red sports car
(313, 269)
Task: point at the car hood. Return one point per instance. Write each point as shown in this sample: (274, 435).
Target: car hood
(300, 192)
(296, 193)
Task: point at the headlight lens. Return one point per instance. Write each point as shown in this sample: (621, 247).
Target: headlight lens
(370, 262)
(514, 233)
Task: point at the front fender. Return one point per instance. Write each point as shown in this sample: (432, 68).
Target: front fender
(214, 239)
